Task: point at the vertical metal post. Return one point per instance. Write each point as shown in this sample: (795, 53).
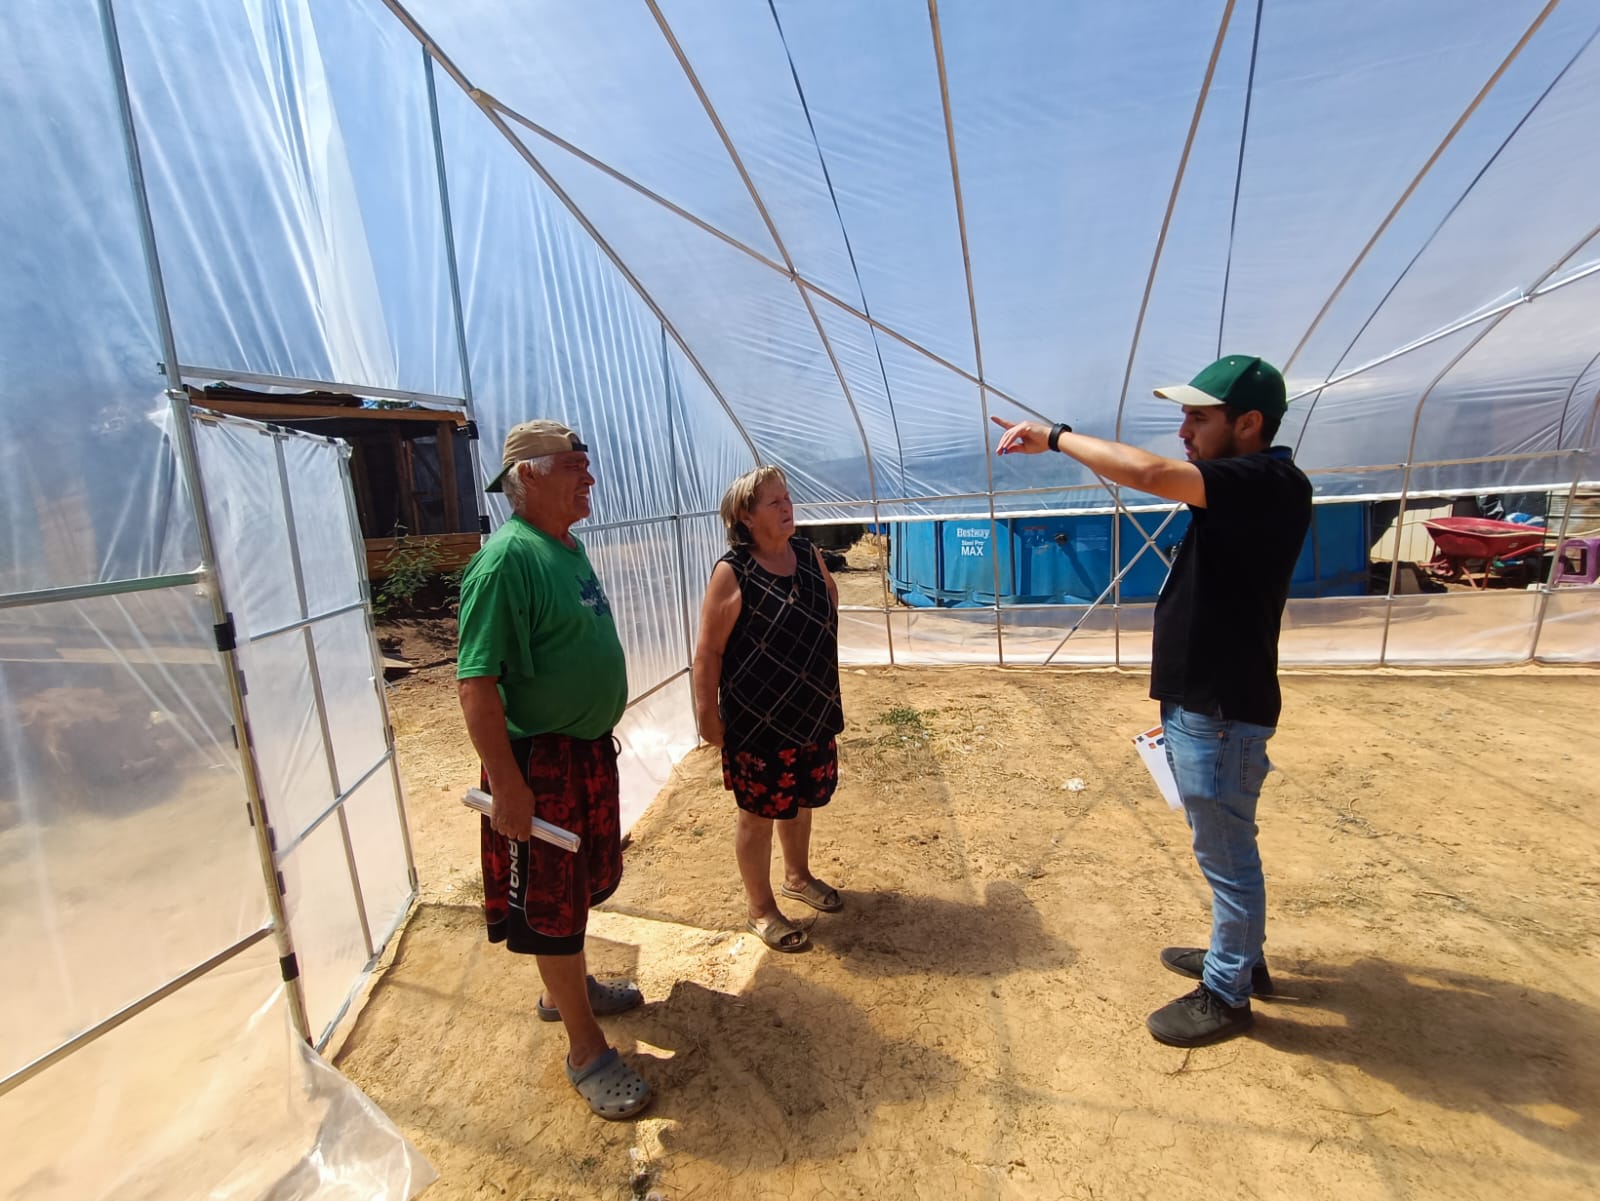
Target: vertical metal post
(189, 462)
(1580, 453)
(972, 308)
(1116, 575)
(677, 509)
(468, 404)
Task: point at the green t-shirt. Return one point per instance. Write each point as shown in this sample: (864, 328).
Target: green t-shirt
(534, 615)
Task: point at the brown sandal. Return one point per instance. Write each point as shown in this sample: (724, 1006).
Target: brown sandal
(779, 933)
(818, 895)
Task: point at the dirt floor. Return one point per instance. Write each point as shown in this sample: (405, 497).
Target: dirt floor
(972, 1024)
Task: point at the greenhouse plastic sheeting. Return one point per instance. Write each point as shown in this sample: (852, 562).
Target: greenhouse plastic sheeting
(288, 155)
(1096, 271)
(87, 481)
(120, 805)
(206, 1096)
(828, 235)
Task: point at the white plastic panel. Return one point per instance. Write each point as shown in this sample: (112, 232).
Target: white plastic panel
(602, 77)
(638, 570)
(126, 855)
(322, 908)
(317, 723)
(291, 759)
(655, 733)
(1332, 630)
(1571, 629)
(1049, 636)
(1068, 155)
(378, 840)
(323, 538)
(350, 694)
(244, 496)
(206, 1096)
(554, 331)
(1455, 627)
(706, 281)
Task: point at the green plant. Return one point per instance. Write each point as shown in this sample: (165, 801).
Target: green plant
(407, 569)
(904, 718)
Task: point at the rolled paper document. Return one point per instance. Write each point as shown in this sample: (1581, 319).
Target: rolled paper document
(477, 798)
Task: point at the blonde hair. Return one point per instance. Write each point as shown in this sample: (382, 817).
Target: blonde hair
(740, 497)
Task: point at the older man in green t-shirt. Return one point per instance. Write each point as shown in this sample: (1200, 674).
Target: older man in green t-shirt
(542, 682)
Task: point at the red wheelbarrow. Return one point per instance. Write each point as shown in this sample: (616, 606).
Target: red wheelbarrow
(1460, 541)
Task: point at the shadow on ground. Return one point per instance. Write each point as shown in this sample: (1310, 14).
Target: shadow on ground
(891, 934)
(788, 1070)
(1525, 1057)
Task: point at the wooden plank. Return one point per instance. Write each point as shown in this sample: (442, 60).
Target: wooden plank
(363, 489)
(286, 414)
(445, 442)
(408, 481)
(454, 550)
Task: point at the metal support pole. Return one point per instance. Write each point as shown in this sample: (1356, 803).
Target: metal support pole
(1116, 583)
(677, 507)
(972, 309)
(788, 263)
(474, 452)
(1580, 453)
(189, 460)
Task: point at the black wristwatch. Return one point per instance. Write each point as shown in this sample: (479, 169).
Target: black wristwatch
(1056, 430)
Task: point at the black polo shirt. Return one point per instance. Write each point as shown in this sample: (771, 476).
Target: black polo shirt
(1217, 619)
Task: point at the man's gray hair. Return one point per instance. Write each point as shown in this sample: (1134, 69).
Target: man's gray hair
(513, 486)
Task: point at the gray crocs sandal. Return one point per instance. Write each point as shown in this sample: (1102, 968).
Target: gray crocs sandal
(606, 997)
(612, 1089)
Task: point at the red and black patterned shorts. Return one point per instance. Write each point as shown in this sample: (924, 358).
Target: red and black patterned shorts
(536, 896)
(780, 783)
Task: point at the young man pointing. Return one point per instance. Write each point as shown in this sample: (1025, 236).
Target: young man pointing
(1215, 660)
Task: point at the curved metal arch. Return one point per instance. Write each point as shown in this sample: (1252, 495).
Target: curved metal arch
(1172, 204)
(1238, 173)
(789, 270)
(1438, 229)
(844, 234)
(489, 108)
(1532, 293)
(1566, 405)
(772, 230)
(1416, 181)
(817, 290)
(972, 308)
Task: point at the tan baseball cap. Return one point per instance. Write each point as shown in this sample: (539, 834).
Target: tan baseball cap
(532, 440)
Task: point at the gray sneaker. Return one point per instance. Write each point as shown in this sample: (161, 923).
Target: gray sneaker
(1191, 962)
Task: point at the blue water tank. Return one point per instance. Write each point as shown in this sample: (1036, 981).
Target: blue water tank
(1068, 560)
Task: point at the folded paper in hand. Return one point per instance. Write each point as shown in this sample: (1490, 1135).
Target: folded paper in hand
(1152, 746)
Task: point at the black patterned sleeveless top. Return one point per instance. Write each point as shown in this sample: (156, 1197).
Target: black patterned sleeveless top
(780, 670)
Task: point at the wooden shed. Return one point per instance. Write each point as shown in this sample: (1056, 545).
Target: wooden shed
(404, 486)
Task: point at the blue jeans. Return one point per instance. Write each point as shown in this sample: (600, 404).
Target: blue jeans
(1219, 766)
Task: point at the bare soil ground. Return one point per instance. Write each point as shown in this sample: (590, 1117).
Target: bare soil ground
(972, 1024)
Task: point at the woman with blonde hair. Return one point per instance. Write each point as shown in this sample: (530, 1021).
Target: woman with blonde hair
(766, 686)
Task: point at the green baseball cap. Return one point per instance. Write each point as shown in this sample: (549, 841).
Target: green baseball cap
(1237, 380)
